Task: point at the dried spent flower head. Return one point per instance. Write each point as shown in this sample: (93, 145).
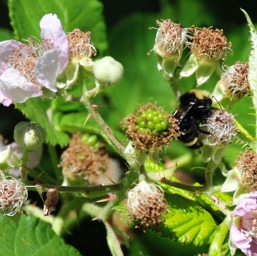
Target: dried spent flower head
(150, 127)
(209, 44)
(221, 128)
(146, 203)
(247, 165)
(13, 193)
(81, 160)
(80, 45)
(235, 80)
(169, 45)
(170, 38)
(243, 230)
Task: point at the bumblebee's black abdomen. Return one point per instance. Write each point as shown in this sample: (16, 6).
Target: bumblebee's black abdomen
(195, 106)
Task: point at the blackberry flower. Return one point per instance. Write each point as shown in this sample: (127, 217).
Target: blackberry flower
(243, 230)
(25, 69)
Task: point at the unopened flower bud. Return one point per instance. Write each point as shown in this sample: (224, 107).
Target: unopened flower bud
(150, 128)
(13, 193)
(29, 135)
(107, 71)
(146, 203)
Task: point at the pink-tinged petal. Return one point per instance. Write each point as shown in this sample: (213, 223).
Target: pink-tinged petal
(238, 239)
(4, 100)
(246, 204)
(47, 69)
(252, 250)
(3, 67)
(7, 48)
(16, 87)
(52, 31)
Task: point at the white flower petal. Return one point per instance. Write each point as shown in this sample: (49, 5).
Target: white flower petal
(3, 67)
(16, 87)
(4, 100)
(52, 31)
(47, 69)
(7, 47)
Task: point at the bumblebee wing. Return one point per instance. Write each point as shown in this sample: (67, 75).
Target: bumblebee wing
(182, 113)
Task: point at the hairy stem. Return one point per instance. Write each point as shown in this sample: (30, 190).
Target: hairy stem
(25, 159)
(87, 192)
(106, 132)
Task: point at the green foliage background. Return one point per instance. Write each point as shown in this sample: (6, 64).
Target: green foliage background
(120, 29)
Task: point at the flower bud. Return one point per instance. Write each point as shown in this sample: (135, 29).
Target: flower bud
(107, 71)
(29, 135)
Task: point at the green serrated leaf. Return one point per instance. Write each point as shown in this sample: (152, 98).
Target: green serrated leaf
(181, 192)
(31, 237)
(189, 223)
(75, 122)
(36, 109)
(85, 15)
(252, 73)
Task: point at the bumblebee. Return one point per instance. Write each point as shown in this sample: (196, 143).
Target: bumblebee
(195, 106)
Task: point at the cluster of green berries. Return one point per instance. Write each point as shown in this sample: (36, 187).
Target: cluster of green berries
(91, 140)
(150, 128)
(152, 121)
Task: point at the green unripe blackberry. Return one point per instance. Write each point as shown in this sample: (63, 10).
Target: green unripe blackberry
(150, 127)
(91, 140)
(152, 121)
